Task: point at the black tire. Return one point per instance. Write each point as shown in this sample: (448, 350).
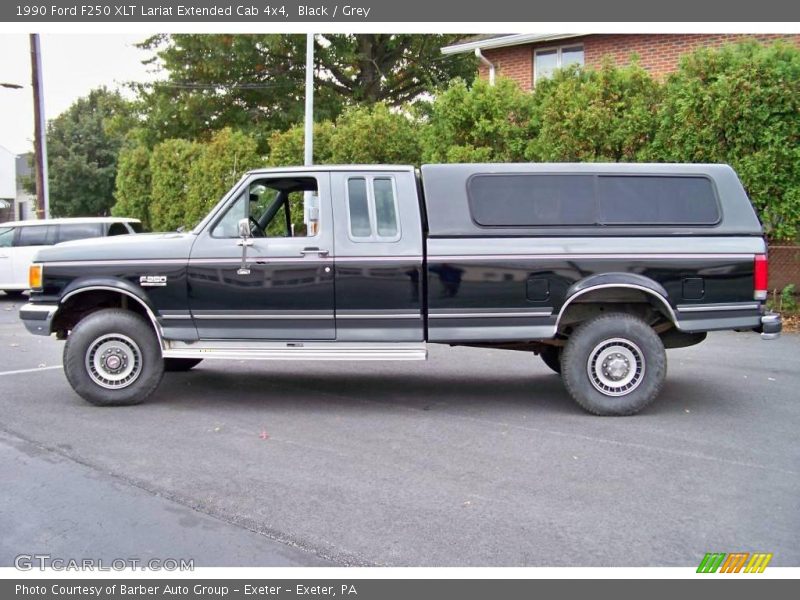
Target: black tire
(117, 332)
(14, 293)
(614, 365)
(175, 365)
(551, 356)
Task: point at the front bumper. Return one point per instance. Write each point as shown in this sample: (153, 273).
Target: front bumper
(770, 326)
(37, 318)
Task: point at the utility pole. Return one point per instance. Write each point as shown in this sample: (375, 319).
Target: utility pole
(310, 200)
(39, 131)
(309, 122)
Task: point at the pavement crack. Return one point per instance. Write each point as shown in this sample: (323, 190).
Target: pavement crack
(340, 558)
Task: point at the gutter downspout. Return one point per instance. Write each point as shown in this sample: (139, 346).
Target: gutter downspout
(486, 62)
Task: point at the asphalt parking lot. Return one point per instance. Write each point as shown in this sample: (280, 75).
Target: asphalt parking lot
(477, 457)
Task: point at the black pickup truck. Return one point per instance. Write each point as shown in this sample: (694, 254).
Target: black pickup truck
(597, 268)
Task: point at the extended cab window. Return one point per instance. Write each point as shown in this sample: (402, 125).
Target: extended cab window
(531, 200)
(277, 207)
(79, 231)
(372, 209)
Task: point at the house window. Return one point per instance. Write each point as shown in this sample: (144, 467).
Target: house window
(547, 60)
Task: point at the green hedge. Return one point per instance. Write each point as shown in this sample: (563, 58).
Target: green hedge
(738, 105)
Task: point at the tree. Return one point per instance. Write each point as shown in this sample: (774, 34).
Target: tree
(482, 123)
(256, 83)
(375, 134)
(170, 164)
(287, 148)
(133, 184)
(608, 114)
(82, 154)
(221, 162)
(740, 105)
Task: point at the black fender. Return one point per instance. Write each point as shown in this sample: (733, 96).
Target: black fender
(619, 280)
(87, 284)
(113, 284)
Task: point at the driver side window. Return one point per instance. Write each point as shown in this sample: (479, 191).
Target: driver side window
(283, 207)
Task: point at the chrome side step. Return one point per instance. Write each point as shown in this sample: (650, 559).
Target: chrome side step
(257, 350)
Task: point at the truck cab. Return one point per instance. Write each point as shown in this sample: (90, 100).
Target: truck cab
(595, 268)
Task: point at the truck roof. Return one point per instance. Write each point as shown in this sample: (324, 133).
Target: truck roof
(303, 169)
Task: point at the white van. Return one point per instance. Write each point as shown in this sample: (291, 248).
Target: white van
(19, 241)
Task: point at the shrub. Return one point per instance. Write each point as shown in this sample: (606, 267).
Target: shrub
(479, 124)
(133, 185)
(740, 105)
(170, 163)
(219, 164)
(287, 148)
(604, 115)
(375, 135)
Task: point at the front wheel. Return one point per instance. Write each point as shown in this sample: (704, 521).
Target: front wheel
(112, 358)
(614, 365)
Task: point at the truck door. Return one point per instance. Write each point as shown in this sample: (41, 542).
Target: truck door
(283, 289)
(379, 277)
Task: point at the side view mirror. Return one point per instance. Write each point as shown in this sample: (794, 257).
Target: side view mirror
(244, 228)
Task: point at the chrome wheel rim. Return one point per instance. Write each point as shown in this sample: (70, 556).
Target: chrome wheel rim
(114, 361)
(616, 367)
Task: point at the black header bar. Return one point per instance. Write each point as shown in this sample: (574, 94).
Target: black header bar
(392, 11)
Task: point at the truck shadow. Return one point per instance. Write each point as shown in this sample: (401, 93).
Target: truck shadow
(422, 389)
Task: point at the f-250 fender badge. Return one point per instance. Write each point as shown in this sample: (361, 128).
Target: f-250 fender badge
(153, 280)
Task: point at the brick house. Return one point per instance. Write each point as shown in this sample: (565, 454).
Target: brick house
(528, 57)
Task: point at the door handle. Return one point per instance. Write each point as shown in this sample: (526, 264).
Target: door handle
(316, 251)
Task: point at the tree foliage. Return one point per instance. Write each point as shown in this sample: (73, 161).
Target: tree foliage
(481, 123)
(82, 155)
(256, 83)
(741, 105)
(608, 114)
(366, 135)
(220, 163)
(375, 135)
(288, 147)
(133, 184)
(170, 164)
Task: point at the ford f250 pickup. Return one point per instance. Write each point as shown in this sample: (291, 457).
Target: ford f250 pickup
(597, 268)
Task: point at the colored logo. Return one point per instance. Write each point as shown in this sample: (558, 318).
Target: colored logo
(736, 562)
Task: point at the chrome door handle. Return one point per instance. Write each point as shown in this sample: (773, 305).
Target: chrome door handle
(316, 251)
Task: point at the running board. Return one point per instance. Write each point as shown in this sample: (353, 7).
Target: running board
(256, 350)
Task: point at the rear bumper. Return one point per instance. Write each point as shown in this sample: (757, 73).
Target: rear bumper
(37, 318)
(770, 326)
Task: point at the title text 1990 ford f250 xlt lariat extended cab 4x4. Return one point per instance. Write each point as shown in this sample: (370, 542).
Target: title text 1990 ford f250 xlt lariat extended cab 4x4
(595, 267)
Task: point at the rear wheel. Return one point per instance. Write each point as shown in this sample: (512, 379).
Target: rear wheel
(614, 365)
(551, 356)
(14, 293)
(112, 358)
(173, 365)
